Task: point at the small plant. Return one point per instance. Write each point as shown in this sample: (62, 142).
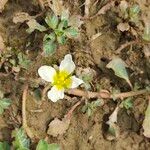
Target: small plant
(127, 103)
(89, 108)
(14, 62)
(60, 79)
(59, 29)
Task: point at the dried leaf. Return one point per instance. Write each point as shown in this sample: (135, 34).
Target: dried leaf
(113, 130)
(56, 6)
(75, 21)
(2, 4)
(21, 17)
(34, 25)
(123, 27)
(146, 122)
(113, 116)
(58, 127)
(118, 66)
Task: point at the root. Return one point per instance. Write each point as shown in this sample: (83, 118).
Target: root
(24, 118)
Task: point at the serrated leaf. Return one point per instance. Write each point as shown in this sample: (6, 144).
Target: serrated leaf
(119, 67)
(4, 104)
(71, 32)
(146, 122)
(52, 21)
(34, 25)
(4, 146)
(49, 47)
(21, 141)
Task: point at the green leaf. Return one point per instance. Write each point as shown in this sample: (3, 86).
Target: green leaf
(146, 34)
(71, 32)
(24, 62)
(118, 66)
(51, 37)
(52, 21)
(34, 25)
(61, 39)
(63, 25)
(21, 141)
(49, 47)
(43, 145)
(4, 104)
(4, 146)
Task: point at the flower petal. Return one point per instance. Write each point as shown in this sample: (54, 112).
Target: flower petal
(67, 64)
(54, 94)
(76, 82)
(47, 73)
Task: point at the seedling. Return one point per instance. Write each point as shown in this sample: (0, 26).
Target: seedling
(60, 32)
(89, 108)
(59, 29)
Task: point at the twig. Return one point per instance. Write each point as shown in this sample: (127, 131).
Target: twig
(87, 8)
(130, 94)
(105, 94)
(123, 46)
(87, 94)
(102, 10)
(45, 91)
(139, 42)
(69, 114)
(41, 3)
(24, 118)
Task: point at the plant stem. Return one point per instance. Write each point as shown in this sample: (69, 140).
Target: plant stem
(105, 94)
(24, 118)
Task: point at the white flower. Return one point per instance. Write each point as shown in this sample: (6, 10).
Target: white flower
(60, 79)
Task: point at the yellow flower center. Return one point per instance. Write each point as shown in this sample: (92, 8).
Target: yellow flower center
(62, 80)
